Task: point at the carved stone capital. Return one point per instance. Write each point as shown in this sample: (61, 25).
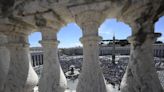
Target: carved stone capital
(49, 43)
(49, 19)
(89, 21)
(88, 17)
(49, 33)
(48, 29)
(15, 28)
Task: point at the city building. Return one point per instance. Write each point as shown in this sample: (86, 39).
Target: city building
(105, 49)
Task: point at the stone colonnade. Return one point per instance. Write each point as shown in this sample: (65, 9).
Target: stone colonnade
(19, 76)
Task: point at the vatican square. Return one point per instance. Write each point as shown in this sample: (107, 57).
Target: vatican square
(81, 45)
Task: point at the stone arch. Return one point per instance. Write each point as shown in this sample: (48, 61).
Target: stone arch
(108, 29)
(70, 45)
(36, 52)
(74, 34)
(34, 38)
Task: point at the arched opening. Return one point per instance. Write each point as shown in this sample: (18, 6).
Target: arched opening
(114, 51)
(69, 48)
(69, 36)
(36, 52)
(34, 39)
(70, 53)
(159, 50)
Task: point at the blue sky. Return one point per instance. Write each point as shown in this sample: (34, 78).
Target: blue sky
(70, 34)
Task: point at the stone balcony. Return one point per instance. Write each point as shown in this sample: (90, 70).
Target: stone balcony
(19, 18)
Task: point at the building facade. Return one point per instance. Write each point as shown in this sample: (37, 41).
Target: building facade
(37, 52)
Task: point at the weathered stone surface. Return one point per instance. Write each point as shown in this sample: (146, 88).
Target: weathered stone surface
(66, 10)
(4, 60)
(141, 75)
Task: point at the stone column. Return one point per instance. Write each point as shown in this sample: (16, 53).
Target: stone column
(91, 78)
(21, 76)
(141, 74)
(4, 60)
(52, 79)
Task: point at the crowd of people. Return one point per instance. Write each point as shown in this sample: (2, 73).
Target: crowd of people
(113, 72)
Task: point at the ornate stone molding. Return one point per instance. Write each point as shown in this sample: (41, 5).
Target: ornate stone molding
(24, 12)
(89, 16)
(8, 27)
(141, 12)
(89, 21)
(49, 33)
(18, 39)
(50, 43)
